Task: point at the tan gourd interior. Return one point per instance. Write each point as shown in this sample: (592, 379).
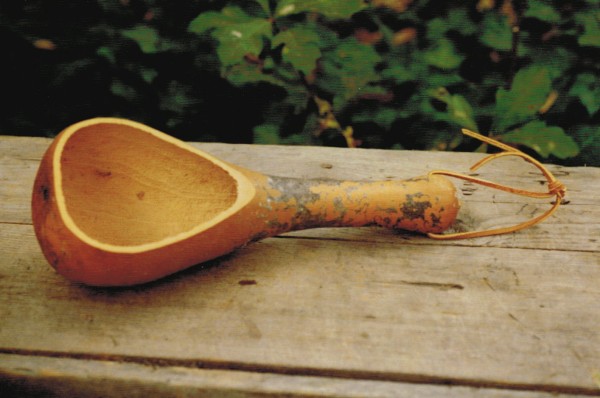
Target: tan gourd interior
(125, 187)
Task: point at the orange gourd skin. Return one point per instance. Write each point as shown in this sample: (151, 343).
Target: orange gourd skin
(425, 204)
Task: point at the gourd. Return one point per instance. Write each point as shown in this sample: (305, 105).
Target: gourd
(117, 203)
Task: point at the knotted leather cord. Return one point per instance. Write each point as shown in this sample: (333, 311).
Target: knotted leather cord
(555, 188)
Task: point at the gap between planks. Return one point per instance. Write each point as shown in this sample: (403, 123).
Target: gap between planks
(504, 388)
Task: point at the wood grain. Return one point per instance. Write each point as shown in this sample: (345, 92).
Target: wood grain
(394, 313)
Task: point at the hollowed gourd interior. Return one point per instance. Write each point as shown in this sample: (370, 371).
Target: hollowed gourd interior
(123, 186)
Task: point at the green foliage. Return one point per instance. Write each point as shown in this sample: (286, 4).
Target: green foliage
(545, 140)
(300, 47)
(327, 8)
(379, 73)
(528, 92)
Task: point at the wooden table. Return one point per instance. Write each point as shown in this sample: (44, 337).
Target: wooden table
(330, 312)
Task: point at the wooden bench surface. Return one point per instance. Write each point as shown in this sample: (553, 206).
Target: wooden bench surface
(324, 312)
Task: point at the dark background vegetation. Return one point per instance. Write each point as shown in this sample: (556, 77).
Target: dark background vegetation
(380, 73)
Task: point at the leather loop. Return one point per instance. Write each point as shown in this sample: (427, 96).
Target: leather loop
(555, 189)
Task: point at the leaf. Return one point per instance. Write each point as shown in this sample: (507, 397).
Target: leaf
(497, 32)
(587, 89)
(297, 97)
(443, 55)
(266, 134)
(238, 33)
(395, 5)
(148, 74)
(227, 17)
(461, 112)
(107, 53)
(244, 73)
(442, 78)
(530, 88)
(588, 139)
(591, 29)
(300, 47)
(458, 110)
(236, 41)
(264, 4)
(541, 10)
(330, 8)
(457, 20)
(545, 140)
(556, 59)
(178, 98)
(348, 70)
(123, 90)
(382, 116)
(437, 28)
(587, 136)
(147, 38)
(399, 73)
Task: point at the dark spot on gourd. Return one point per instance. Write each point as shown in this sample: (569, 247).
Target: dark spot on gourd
(435, 220)
(413, 209)
(45, 192)
(104, 173)
(140, 195)
(247, 282)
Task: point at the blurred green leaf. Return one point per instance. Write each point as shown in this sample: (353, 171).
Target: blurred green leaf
(399, 73)
(457, 19)
(529, 90)
(558, 60)
(237, 33)
(437, 28)
(107, 53)
(443, 78)
(591, 29)
(588, 139)
(545, 140)
(123, 90)
(239, 40)
(300, 47)
(148, 74)
(458, 110)
(382, 116)
(147, 38)
(497, 31)
(348, 70)
(443, 55)
(587, 89)
(245, 73)
(297, 96)
(264, 4)
(177, 98)
(225, 18)
(266, 134)
(542, 10)
(328, 8)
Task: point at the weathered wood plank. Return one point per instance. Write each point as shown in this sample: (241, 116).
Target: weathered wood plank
(518, 311)
(575, 227)
(388, 311)
(65, 377)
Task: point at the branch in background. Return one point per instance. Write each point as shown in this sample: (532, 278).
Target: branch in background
(327, 120)
(514, 9)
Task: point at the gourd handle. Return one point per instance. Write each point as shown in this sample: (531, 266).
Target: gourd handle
(424, 204)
